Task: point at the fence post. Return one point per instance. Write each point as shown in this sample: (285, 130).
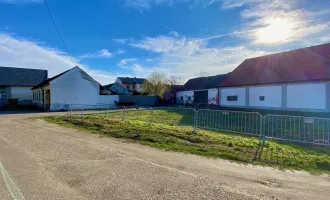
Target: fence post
(82, 110)
(262, 130)
(195, 120)
(69, 107)
(106, 112)
(123, 118)
(151, 114)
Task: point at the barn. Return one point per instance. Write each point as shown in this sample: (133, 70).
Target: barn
(73, 88)
(296, 80)
(201, 90)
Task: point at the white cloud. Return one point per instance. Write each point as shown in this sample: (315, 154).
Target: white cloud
(187, 58)
(278, 21)
(149, 60)
(227, 4)
(120, 51)
(103, 53)
(325, 39)
(174, 33)
(19, 52)
(124, 62)
(122, 40)
(138, 68)
(160, 44)
(142, 5)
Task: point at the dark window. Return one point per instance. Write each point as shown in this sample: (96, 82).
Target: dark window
(262, 98)
(133, 87)
(189, 98)
(232, 98)
(181, 98)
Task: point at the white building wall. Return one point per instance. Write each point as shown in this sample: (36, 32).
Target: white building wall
(139, 87)
(108, 99)
(213, 95)
(272, 95)
(73, 87)
(185, 95)
(239, 92)
(306, 96)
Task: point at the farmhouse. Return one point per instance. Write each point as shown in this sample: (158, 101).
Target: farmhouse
(73, 88)
(132, 84)
(297, 80)
(16, 84)
(202, 90)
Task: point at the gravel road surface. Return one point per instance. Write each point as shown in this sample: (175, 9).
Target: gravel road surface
(45, 161)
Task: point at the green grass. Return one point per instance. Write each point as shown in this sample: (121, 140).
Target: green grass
(214, 144)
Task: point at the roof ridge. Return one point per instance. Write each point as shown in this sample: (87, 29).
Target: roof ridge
(288, 51)
(24, 68)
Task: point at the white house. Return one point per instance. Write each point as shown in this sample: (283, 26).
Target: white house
(16, 84)
(73, 88)
(132, 84)
(297, 80)
(202, 90)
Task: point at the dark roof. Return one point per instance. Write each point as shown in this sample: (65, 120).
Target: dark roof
(306, 64)
(108, 86)
(49, 80)
(176, 88)
(12, 76)
(116, 88)
(202, 83)
(128, 80)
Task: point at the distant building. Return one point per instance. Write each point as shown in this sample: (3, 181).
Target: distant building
(117, 88)
(132, 84)
(201, 90)
(170, 96)
(73, 88)
(16, 84)
(296, 80)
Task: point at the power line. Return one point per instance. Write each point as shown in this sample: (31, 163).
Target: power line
(58, 32)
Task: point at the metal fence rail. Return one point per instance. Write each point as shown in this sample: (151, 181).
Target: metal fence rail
(232, 121)
(282, 127)
(173, 115)
(297, 128)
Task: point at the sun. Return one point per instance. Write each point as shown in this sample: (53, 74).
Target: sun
(278, 30)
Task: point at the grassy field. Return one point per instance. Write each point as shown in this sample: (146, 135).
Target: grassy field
(167, 136)
(284, 127)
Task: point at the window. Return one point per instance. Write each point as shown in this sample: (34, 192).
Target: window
(141, 86)
(262, 98)
(232, 98)
(133, 87)
(189, 98)
(181, 98)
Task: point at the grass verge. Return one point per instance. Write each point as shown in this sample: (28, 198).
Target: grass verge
(215, 144)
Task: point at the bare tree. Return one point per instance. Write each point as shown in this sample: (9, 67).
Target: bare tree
(203, 74)
(173, 81)
(156, 84)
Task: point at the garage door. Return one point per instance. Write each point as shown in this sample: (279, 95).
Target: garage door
(201, 97)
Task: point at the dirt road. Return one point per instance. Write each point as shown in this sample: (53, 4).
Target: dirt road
(45, 161)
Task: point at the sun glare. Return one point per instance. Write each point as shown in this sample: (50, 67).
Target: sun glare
(277, 30)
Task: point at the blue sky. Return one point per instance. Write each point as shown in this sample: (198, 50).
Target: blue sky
(110, 38)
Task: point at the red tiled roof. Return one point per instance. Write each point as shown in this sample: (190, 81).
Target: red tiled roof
(307, 64)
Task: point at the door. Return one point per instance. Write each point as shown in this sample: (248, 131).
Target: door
(201, 97)
(47, 99)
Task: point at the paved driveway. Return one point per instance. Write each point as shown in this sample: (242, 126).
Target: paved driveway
(45, 161)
